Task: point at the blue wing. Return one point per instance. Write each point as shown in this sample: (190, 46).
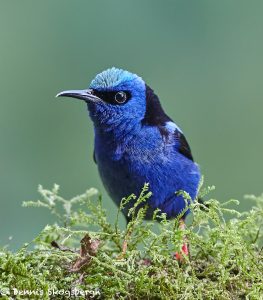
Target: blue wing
(184, 147)
(181, 143)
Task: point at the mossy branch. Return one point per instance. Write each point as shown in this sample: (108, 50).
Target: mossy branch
(80, 253)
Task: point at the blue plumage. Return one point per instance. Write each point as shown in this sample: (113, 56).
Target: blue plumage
(136, 142)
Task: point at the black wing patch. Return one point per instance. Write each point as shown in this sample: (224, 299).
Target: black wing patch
(184, 147)
(154, 114)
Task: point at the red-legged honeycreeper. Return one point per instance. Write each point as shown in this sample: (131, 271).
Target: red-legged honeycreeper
(136, 142)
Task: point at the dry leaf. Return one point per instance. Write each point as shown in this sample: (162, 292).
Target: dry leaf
(88, 248)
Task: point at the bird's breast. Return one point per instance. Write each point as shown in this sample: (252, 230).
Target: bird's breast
(125, 167)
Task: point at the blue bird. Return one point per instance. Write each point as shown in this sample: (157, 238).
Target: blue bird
(137, 142)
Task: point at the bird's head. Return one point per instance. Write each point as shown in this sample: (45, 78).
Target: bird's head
(115, 98)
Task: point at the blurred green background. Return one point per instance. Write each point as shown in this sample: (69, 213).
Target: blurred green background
(203, 58)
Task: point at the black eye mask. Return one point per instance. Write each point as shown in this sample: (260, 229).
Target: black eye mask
(113, 97)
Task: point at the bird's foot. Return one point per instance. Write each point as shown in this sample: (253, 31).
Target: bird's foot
(179, 256)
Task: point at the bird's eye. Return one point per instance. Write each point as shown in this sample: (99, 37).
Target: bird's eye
(120, 97)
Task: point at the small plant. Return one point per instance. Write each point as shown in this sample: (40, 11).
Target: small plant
(81, 255)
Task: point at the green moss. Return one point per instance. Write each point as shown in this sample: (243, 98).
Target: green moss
(225, 262)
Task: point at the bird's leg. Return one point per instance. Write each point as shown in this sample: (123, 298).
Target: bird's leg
(125, 245)
(125, 242)
(179, 255)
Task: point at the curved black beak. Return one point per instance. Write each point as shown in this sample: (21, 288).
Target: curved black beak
(85, 95)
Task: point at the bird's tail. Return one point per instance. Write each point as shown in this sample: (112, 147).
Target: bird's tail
(201, 201)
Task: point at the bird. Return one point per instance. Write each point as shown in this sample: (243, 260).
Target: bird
(136, 142)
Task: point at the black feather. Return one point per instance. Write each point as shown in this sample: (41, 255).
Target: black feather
(155, 116)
